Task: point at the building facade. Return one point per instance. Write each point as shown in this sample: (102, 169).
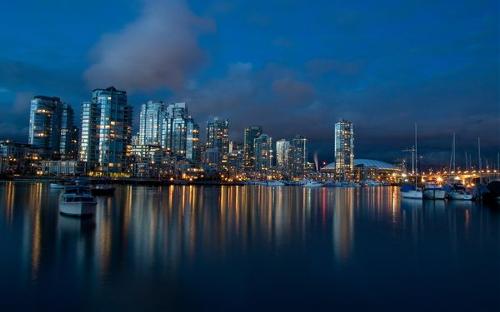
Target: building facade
(344, 148)
(297, 156)
(45, 123)
(68, 145)
(150, 122)
(282, 153)
(218, 138)
(249, 136)
(263, 148)
(106, 131)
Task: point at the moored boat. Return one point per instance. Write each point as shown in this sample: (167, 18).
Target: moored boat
(434, 191)
(312, 183)
(411, 192)
(77, 201)
(459, 192)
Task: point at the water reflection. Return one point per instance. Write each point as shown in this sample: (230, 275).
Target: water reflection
(161, 231)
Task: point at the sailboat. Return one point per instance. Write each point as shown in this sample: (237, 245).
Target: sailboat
(412, 191)
(456, 190)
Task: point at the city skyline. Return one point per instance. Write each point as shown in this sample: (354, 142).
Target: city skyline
(311, 87)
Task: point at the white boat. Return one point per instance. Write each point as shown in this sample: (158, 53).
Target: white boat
(312, 183)
(274, 183)
(434, 191)
(77, 201)
(410, 191)
(459, 195)
(56, 186)
(412, 194)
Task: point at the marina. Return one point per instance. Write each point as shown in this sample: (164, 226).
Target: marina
(187, 244)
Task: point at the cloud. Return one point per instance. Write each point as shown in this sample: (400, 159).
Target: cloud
(273, 96)
(159, 49)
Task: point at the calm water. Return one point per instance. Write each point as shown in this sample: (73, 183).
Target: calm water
(247, 248)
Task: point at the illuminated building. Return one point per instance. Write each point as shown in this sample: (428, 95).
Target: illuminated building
(282, 151)
(105, 140)
(45, 123)
(297, 156)
(250, 134)
(344, 148)
(68, 145)
(179, 133)
(218, 138)
(263, 152)
(150, 122)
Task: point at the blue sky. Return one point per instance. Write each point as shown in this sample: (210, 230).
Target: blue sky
(295, 67)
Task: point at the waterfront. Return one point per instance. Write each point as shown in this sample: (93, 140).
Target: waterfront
(247, 248)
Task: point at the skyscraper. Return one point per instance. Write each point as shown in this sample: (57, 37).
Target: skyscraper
(106, 130)
(250, 134)
(151, 121)
(344, 148)
(218, 138)
(263, 148)
(282, 151)
(68, 145)
(179, 132)
(298, 155)
(192, 141)
(45, 123)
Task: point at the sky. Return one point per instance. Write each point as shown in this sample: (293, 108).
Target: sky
(294, 67)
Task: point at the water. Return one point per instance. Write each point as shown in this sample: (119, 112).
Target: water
(247, 248)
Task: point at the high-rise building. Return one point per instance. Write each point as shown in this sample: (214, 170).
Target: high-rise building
(344, 148)
(218, 138)
(192, 141)
(106, 130)
(45, 123)
(263, 148)
(250, 134)
(150, 122)
(179, 133)
(282, 151)
(297, 155)
(52, 128)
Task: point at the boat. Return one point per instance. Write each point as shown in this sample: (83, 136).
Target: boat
(434, 191)
(56, 186)
(102, 190)
(459, 192)
(413, 191)
(312, 183)
(369, 183)
(77, 201)
(274, 183)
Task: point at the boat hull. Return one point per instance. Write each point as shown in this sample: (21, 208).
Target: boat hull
(412, 194)
(434, 194)
(77, 209)
(459, 196)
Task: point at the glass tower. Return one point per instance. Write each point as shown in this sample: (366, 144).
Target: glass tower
(344, 148)
(298, 155)
(150, 122)
(282, 151)
(45, 123)
(250, 134)
(263, 152)
(106, 130)
(218, 138)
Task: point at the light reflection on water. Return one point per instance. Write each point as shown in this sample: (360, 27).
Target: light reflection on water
(239, 234)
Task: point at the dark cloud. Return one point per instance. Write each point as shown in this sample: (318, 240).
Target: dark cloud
(159, 49)
(273, 96)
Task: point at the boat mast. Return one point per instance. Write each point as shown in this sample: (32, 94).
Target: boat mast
(454, 162)
(416, 156)
(479, 158)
